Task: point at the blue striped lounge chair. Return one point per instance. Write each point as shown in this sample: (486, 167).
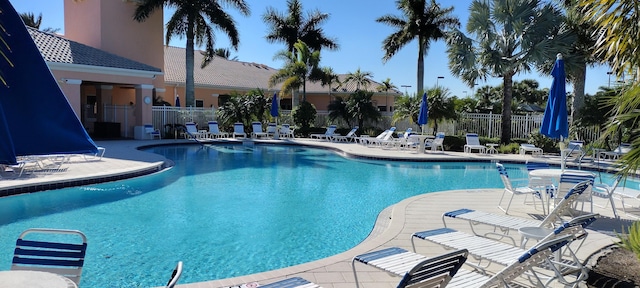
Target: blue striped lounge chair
(351, 136)
(488, 251)
(238, 130)
(65, 258)
(506, 223)
(417, 270)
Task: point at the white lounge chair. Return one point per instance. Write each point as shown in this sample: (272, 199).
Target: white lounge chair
(327, 134)
(417, 270)
(386, 139)
(257, 130)
(286, 131)
(437, 142)
(192, 132)
(473, 143)
(364, 139)
(238, 130)
(488, 251)
(351, 136)
(535, 151)
(624, 148)
(506, 223)
(272, 129)
(574, 147)
(152, 132)
(510, 189)
(214, 131)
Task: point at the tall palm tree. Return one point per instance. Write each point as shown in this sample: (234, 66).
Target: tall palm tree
(299, 67)
(385, 86)
(618, 43)
(196, 20)
(31, 20)
(359, 77)
(293, 26)
(510, 36)
(420, 21)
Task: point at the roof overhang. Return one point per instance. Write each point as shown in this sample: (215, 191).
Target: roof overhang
(102, 70)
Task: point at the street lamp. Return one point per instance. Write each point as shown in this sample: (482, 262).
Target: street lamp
(405, 88)
(609, 73)
(439, 77)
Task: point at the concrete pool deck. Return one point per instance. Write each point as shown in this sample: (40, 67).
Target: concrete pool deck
(393, 228)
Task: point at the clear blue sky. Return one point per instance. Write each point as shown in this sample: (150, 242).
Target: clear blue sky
(352, 23)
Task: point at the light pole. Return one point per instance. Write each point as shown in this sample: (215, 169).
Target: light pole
(439, 77)
(465, 94)
(609, 73)
(405, 88)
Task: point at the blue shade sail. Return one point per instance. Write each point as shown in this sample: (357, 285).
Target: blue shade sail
(38, 119)
(555, 122)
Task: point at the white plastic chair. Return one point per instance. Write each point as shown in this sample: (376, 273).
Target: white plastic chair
(327, 134)
(510, 189)
(214, 131)
(238, 130)
(152, 132)
(257, 130)
(473, 143)
(535, 151)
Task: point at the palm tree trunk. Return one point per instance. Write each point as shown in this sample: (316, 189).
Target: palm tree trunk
(420, 83)
(505, 138)
(578, 90)
(189, 85)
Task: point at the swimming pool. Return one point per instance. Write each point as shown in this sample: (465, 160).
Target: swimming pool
(230, 210)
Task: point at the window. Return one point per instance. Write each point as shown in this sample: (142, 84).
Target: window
(199, 103)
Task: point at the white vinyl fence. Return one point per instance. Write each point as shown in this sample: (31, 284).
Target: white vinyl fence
(486, 125)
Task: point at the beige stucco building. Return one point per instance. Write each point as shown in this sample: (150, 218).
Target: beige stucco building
(107, 60)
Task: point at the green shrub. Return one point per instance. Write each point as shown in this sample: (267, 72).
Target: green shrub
(547, 144)
(631, 241)
(304, 115)
(511, 148)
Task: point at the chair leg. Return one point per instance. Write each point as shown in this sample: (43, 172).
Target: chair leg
(506, 211)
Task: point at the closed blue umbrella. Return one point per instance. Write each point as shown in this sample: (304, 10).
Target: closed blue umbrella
(177, 101)
(555, 122)
(423, 115)
(274, 107)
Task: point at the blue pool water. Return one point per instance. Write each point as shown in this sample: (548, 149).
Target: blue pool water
(229, 210)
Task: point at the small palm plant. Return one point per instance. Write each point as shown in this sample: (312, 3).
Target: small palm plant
(631, 241)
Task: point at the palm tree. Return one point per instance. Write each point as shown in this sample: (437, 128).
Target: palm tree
(425, 22)
(195, 19)
(300, 67)
(360, 106)
(385, 86)
(338, 109)
(294, 26)
(441, 106)
(328, 78)
(511, 35)
(618, 43)
(359, 77)
(31, 20)
(406, 107)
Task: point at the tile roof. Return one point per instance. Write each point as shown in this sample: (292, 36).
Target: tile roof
(60, 50)
(223, 73)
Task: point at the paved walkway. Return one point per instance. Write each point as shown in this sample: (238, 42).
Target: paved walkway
(393, 228)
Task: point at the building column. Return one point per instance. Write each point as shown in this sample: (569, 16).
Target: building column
(144, 102)
(71, 89)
